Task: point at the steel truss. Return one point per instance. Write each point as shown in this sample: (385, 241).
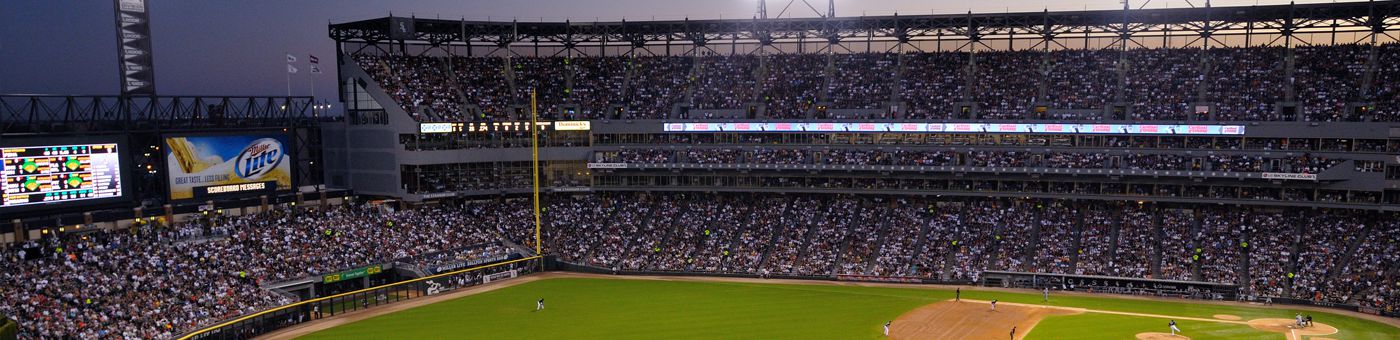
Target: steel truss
(1266, 25)
(68, 113)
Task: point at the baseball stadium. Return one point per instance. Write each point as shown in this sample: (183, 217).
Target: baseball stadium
(630, 169)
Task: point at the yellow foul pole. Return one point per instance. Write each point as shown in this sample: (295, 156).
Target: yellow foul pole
(535, 166)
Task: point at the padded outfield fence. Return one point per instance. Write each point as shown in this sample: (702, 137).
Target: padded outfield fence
(252, 325)
(1159, 288)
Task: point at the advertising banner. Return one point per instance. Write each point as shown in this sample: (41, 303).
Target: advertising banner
(201, 166)
(352, 274)
(1290, 176)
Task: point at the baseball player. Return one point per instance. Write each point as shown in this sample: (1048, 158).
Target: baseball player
(958, 295)
(1308, 318)
(539, 305)
(994, 305)
(1175, 330)
(1046, 294)
(1299, 319)
(1013, 332)
(887, 328)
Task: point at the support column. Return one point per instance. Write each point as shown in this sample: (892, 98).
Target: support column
(20, 234)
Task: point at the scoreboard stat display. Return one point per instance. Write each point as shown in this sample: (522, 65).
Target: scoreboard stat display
(59, 173)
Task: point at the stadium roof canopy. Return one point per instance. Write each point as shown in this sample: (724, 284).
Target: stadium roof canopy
(1277, 24)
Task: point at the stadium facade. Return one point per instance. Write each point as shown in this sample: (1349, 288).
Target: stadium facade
(1020, 85)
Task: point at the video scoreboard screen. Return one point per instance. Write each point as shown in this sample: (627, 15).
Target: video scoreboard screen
(205, 166)
(43, 174)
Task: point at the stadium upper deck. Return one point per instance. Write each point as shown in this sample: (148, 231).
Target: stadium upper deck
(1321, 62)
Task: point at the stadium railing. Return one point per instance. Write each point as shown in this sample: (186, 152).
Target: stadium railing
(251, 325)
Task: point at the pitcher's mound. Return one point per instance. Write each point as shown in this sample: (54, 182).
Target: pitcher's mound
(1160, 336)
(969, 320)
(1228, 317)
(1289, 325)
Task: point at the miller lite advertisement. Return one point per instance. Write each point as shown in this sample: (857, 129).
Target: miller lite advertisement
(201, 166)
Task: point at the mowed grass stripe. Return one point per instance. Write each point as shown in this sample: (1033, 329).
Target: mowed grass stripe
(589, 308)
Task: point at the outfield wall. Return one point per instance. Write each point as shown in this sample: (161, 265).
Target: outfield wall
(1208, 291)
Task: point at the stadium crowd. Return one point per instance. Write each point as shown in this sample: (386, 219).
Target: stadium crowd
(1241, 84)
(953, 240)
(156, 281)
(126, 289)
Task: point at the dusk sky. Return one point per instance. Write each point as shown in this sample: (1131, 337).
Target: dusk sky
(237, 47)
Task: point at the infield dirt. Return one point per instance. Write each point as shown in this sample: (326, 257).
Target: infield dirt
(970, 320)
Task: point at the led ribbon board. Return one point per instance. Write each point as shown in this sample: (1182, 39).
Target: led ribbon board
(1086, 129)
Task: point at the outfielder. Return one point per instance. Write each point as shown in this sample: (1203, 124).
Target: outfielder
(1046, 294)
(994, 305)
(887, 328)
(1175, 330)
(539, 305)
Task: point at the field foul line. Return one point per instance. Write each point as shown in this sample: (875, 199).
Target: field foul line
(1085, 310)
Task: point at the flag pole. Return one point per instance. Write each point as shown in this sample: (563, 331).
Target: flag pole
(289, 74)
(312, 77)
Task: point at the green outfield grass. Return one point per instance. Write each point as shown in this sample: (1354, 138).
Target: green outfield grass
(585, 308)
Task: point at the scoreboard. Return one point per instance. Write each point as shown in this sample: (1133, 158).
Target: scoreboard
(35, 175)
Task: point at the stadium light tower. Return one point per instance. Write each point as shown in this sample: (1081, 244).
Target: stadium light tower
(137, 71)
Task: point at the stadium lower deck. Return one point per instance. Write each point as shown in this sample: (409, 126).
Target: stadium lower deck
(1266, 251)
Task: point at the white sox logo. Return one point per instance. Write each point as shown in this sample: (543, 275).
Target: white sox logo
(433, 287)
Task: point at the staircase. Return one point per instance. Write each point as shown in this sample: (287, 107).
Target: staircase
(745, 225)
(611, 210)
(1077, 241)
(665, 242)
(1115, 233)
(879, 242)
(1196, 274)
(1159, 236)
(802, 252)
(452, 81)
(921, 244)
(773, 237)
(1292, 266)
